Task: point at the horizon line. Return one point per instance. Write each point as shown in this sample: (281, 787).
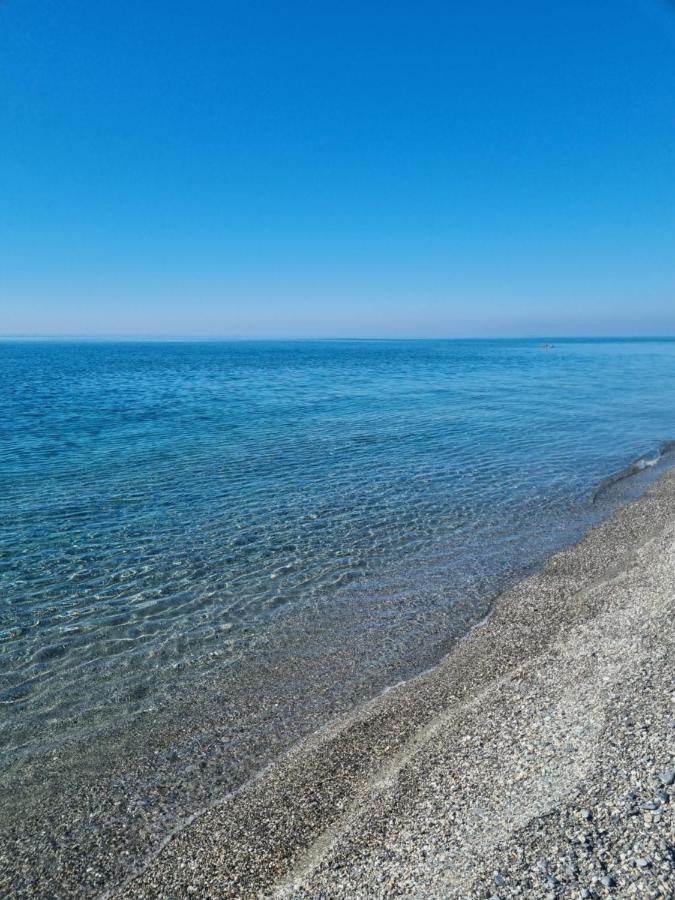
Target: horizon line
(196, 338)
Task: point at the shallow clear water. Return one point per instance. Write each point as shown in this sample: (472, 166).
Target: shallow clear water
(246, 538)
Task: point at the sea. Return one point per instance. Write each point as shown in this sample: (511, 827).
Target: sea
(209, 550)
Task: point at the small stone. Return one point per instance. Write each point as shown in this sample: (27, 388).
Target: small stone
(642, 862)
(607, 881)
(499, 879)
(668, 777)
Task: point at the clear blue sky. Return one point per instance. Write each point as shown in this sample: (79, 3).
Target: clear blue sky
(331, 169)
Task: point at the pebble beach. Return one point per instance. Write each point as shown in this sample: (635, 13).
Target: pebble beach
(537, 760)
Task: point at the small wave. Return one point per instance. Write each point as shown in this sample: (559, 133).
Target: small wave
(647, 461)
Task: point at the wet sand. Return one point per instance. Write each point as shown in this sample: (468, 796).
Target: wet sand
(536, 760)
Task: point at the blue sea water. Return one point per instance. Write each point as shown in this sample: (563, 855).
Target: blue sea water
(224, 544)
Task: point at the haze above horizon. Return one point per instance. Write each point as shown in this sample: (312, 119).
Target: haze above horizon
(337, 171)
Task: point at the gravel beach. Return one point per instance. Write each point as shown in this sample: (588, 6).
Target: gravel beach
(537, 760)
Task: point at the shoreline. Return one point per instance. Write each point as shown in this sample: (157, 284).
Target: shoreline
(308, 826)
(51, 845)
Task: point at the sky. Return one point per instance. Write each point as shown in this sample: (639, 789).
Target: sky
(320, 169)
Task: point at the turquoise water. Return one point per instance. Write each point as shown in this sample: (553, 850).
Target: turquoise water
(224, 544)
